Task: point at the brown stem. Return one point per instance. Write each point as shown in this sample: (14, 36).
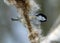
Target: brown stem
(25, 7)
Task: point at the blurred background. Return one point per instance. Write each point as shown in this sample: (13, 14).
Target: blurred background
(51, 8)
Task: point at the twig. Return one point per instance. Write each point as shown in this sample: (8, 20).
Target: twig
(25, 6)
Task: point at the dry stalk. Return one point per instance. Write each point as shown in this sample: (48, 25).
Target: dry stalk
(25, 6)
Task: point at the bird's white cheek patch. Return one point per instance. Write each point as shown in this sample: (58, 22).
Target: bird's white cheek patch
(41, 18)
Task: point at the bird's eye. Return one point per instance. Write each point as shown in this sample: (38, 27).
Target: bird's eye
(41, 17)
